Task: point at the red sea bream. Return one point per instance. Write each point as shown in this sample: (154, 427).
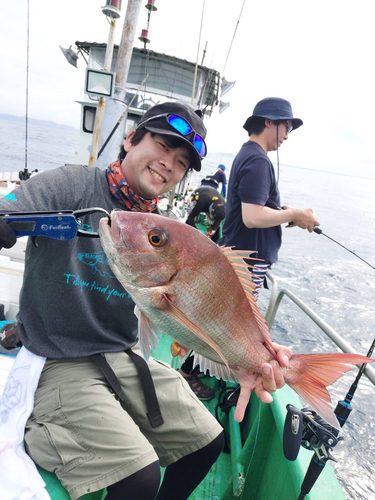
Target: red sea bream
(201, 295)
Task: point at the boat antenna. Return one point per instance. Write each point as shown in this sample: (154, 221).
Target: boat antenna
(317, 230)
(25, 174)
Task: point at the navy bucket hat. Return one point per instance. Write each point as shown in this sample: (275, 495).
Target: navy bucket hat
(273, 108)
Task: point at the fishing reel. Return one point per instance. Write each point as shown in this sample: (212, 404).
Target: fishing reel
(306, 428)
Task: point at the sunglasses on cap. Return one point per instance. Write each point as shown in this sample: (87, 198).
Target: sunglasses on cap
(184, 128)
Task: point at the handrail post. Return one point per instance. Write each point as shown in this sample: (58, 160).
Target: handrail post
(238, 473)
(272, 309)
(268, 316)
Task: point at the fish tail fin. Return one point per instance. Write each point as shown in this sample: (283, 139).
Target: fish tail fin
(311, 374)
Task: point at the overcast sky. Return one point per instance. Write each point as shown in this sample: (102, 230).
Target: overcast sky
(319, 55)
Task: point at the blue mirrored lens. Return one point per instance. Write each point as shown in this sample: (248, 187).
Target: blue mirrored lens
(179, 124)
(199, 145)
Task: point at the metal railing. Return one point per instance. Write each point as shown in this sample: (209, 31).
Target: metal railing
(273, 305)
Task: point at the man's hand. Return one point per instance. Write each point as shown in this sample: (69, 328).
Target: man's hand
(7, 235)
(268, 381)
(305, 218)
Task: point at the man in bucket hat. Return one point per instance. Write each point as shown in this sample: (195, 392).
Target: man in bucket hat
(253, 217)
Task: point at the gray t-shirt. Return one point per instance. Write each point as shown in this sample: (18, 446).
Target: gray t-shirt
(71, 305)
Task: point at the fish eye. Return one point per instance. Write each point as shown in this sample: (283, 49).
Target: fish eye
(157, 237)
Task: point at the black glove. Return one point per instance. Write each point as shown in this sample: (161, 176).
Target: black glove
(9, 338)
(7, 235)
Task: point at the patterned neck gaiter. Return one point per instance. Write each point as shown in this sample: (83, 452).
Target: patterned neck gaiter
(124, 193)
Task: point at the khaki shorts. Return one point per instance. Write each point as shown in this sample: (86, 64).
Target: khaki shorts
(83, 434)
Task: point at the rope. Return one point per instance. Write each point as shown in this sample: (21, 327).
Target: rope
(234, 34)
(147, 72)
(196, 63)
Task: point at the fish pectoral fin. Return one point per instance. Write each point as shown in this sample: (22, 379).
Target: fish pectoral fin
(148, 334)
(175, 313)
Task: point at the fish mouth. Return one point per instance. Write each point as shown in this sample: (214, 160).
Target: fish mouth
(105, 226)
(109, 229)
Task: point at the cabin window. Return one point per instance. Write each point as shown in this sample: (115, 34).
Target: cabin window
(89, 113)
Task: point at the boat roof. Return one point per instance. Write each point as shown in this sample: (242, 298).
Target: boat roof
(86, 46)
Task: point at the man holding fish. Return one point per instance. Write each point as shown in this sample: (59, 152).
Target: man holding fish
(103, 417)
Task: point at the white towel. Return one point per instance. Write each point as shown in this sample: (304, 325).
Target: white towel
(19, 477)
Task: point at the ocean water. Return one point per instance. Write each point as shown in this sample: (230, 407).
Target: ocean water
(330, 280)
(47, 147)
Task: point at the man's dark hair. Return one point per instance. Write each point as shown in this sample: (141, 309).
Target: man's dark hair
(138, 136)
(257, 125)
(171, 141)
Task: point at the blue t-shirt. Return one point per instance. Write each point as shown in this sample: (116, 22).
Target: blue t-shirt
(252, 180)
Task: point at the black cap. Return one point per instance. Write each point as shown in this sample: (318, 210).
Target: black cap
(161, 126)
(273, 108)
(218, 211)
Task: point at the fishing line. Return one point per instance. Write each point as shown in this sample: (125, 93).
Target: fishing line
(277, 152)
(25, 172)
(319, 231)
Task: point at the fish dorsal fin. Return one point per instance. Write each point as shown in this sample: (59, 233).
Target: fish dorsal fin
(179, 316)
(236, 258)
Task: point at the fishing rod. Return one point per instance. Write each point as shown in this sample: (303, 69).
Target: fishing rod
(317, 230)
(306, 428)
(316, 434)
